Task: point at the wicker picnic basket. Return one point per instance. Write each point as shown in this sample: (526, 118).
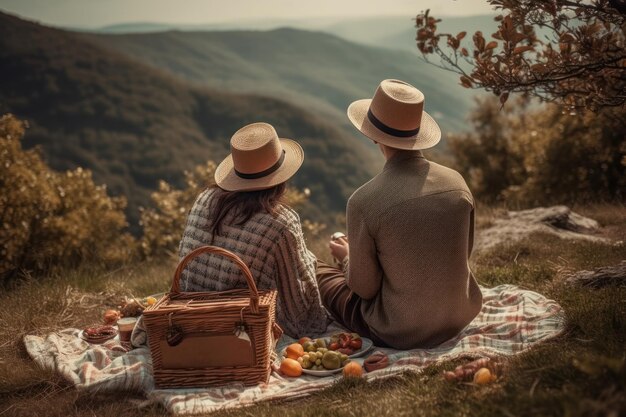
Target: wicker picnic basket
(200, 339)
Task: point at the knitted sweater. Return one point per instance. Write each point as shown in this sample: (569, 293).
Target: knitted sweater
(411, 231)
(272, 247)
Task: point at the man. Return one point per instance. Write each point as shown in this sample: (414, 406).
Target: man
(405, 281)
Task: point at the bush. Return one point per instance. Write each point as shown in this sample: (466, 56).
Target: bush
(529, 156)
(51, 218)
(163, 224)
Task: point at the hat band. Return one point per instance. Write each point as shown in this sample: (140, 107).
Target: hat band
(264, 173)
(390, 130)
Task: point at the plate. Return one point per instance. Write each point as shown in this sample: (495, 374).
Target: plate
(366, 346)
(325, 372)
(96, 341)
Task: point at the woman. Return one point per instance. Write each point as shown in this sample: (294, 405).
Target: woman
(244, 213)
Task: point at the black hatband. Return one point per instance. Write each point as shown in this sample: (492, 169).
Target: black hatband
(265, 172)
(390, 130)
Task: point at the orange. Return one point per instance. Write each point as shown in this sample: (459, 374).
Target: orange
(294, 351)
(111, 316)
(303, 340)
(290, 367)
(353, 369)
(483, 376)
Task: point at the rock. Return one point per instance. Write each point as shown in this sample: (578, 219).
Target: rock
(557, 220)
(600, 277)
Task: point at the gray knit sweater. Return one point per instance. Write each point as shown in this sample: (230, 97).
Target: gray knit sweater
(411, 230)
(275, 251)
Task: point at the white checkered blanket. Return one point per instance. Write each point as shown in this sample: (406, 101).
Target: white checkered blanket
(511, 321)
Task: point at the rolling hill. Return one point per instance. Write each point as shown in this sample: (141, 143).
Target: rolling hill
(132, 124)
(399, 31)
(315, 70)
(393, 32)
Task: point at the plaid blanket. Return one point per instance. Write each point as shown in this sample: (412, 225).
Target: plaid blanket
(511, 321)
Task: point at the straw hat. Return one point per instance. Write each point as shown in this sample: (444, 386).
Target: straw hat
(395, 117)
(259, 159)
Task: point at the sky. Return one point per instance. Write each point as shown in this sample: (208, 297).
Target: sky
(98, 13)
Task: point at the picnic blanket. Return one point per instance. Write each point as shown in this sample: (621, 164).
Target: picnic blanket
(511, 321)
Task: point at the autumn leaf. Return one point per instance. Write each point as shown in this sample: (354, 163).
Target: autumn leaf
(491, 45)
(522, 49)
(572, 38)
(479, 41)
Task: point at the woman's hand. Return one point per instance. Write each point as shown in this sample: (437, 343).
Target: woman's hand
(339, 248)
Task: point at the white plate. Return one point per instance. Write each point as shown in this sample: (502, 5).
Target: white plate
(325, 372)
(366, 346)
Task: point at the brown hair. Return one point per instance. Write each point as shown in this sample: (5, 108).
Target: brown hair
(243, 204)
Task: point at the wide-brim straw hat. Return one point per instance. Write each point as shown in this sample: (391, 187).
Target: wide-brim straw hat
(395, 117)
(259, 159)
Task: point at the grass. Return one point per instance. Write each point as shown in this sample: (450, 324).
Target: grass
(582, 373)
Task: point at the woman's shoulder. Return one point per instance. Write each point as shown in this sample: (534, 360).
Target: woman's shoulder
(203, 199)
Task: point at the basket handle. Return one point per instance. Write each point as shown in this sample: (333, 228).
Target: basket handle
(254, 292)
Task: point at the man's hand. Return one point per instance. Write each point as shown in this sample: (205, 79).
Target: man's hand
(339, 248)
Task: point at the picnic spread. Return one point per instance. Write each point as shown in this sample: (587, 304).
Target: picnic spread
(511, 321)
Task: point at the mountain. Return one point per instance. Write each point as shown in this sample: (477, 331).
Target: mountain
(132, 124)
(395, 32)
(392, 32)
(242, 24)
(398, 32)
(315, 70)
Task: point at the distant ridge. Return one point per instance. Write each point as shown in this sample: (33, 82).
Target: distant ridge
(400, 32)
(132, 124)
(393, 32)
(312, 69)
(138, 27)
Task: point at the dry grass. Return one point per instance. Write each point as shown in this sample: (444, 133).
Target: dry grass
(580, 374)
(75, 298)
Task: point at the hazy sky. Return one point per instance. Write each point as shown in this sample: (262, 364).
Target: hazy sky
(96, 13)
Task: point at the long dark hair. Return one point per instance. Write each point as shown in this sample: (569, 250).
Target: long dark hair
(243, 204)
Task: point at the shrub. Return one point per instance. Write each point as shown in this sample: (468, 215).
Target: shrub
(488, 156)
(527, 156)
(163, 224)
(51, 218)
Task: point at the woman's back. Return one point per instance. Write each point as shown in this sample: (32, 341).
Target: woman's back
(273, 248)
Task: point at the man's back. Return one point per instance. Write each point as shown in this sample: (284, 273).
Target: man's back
(411, 230)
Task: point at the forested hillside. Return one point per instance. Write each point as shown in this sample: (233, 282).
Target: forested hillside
(316, 70)
(132, 124)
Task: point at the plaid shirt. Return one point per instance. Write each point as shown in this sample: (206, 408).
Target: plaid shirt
(275, 251)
